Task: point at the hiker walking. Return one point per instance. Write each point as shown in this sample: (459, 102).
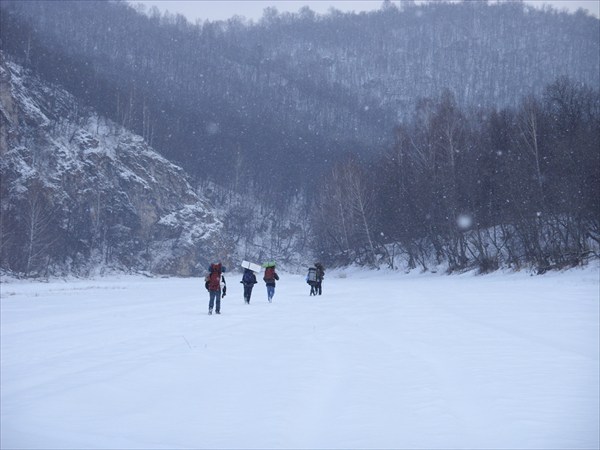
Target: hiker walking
(248, 280)
(269, 278)
(215, 285)
(311, 279)
(319, 278)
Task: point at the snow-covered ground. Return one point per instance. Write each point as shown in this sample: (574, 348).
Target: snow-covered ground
(381, 360)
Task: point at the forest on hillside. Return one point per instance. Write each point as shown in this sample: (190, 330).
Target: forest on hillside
(276, 101)
(503, 188)
(461, 133)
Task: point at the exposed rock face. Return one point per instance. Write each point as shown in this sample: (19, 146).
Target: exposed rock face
(79, 192)
(8, 112)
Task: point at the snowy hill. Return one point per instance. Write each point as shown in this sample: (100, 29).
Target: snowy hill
(295, 88)
(380, 360)
(456, 134)
(79, 191)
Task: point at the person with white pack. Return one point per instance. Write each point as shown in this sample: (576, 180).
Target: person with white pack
(248, 280)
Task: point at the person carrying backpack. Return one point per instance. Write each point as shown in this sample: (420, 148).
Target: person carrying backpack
(311, 279)
(269, 278)
(248, 280)
(215, 285)
(320, 276)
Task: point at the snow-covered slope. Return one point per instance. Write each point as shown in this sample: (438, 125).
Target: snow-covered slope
(380, 360)
(79, 191)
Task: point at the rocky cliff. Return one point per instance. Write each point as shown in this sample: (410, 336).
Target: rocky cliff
(79, 192)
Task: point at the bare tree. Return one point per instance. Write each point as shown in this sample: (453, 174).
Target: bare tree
(529, 137)
(361, 200)
(38, 221)
(331, 217)
(346, 212)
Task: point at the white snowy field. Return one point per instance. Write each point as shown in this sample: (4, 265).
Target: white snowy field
(380, 360)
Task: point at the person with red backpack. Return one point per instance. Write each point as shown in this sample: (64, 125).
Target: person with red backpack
(269, 278)
(215, 285)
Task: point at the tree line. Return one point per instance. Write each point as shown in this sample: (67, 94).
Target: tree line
(487, 189)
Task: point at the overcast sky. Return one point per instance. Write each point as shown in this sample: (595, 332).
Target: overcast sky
(253, 9)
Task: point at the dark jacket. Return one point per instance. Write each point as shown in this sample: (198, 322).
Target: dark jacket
(248, 279)
(320, 272)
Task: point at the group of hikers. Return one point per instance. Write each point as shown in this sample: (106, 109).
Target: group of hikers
(215, 283)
